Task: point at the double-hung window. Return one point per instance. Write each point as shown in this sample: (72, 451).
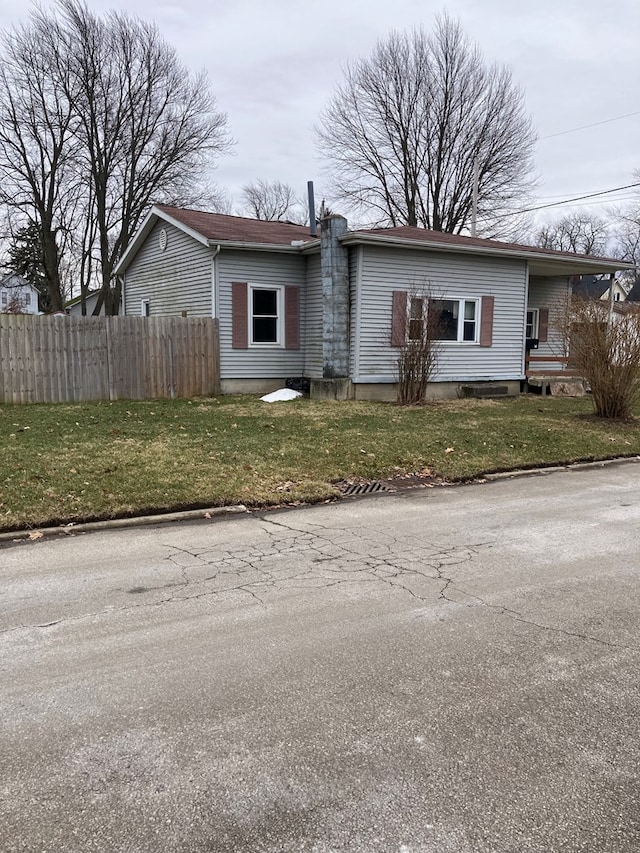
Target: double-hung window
(417, 318)
(265, 315)
(455, 319)
(531, 328)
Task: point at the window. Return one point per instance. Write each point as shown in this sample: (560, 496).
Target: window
(27, 298)
(416, 318)
(4, 297)
(457, 319)
(146, 308)
(531, 329)
(265, 315)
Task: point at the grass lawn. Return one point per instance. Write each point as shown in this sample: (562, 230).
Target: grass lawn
(61, 463)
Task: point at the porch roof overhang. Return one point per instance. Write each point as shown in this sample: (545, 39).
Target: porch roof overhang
(541, 262)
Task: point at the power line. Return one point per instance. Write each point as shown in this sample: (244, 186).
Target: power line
(586, 126)
(577, 198)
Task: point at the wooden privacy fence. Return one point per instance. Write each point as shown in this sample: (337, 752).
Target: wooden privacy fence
(63, 359)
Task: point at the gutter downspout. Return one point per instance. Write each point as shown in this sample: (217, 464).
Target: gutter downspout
(214, 281)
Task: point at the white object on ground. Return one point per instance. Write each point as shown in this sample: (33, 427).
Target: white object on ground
(281, 394)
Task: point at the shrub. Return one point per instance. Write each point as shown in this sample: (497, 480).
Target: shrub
(603, 344)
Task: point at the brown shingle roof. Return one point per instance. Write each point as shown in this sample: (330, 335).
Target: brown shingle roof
(409, 232)
(237, 229)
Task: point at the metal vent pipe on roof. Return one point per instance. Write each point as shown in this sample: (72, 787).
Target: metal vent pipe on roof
(312, 210)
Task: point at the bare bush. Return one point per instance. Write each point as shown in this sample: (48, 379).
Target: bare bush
(420, 345)
(604, 347)
(16, 304)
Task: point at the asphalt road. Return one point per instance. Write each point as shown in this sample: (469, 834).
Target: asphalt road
(451, 670)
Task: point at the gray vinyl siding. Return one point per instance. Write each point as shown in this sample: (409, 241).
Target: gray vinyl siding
(550, 293)
(313, 319)
(267, 269)
(174, 280)
(355, 260)
(449, 276)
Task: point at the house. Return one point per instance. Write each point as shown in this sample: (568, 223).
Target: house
(336, 308)
(634, 291)
(17, 295)
(74, 306)
(593, 287)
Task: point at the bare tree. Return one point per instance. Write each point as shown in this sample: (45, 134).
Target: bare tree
(273, 200)
(146, 127)
(583, 233)
(627, 232)
(114, 122)
(37, 144)
(404, 130)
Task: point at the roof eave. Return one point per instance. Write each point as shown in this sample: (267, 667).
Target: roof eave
(569, 265)
(247, 246)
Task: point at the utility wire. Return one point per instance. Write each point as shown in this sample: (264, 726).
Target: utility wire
(570, 200)
(585, 126)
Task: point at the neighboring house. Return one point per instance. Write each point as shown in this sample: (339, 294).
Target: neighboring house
(336, 308)
(18, 296)
(634, 292)
(74, 306)
(593, 287)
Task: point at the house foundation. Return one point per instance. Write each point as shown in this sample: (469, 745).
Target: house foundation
(331, 389)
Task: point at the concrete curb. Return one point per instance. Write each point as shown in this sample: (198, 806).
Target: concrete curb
(114, 523)
(572, 466)
(238, 509)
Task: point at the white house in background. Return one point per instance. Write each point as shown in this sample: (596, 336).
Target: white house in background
(595, 287)
(74, 306)
(18, 296)
(336, 308)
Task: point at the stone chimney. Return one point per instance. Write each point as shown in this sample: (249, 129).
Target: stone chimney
(334, 265)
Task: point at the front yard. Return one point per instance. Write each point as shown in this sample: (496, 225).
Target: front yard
(62, 463)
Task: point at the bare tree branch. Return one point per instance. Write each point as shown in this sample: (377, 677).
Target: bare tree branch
(274, 201)
(583, 233)
(98, 120)
(402, 132)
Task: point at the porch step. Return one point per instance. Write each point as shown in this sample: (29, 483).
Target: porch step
(556, 385)
(483, 390)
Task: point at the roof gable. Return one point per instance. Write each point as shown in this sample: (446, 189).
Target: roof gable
(220, 228)
(13, 280)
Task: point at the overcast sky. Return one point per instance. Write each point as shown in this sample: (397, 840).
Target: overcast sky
(273, 65)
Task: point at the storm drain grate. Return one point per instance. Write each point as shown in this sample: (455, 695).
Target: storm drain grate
(363, 488)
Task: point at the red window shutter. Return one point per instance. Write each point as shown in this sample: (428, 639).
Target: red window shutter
(543, 325)
(399, 318)
(292, 318)
(486, 321)
(239, 315)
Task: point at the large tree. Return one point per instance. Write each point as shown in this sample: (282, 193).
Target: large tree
(273, 200)
(404, 130)
(583, 233)
(38, 148)
(116, 121)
